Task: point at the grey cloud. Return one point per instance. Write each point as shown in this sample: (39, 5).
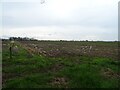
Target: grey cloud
(20, 15)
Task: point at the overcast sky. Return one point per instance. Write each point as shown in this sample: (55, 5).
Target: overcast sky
(61, 19)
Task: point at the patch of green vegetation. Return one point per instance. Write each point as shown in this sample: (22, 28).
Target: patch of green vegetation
(107, 63)
(30, 81)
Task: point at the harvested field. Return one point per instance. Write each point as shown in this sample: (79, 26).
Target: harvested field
(71, 48)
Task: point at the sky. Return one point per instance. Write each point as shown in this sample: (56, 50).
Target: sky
(60, 19)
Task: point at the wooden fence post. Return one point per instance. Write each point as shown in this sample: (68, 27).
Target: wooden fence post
(11, 46)
(10, 52)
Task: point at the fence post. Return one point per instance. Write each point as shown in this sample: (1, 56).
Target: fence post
(10, 52)
(11, 45)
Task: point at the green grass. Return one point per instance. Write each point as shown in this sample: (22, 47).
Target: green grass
(31, 81)
(88, 76)
(23, 71)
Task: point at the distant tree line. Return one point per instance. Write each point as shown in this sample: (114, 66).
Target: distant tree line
(20, 39)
